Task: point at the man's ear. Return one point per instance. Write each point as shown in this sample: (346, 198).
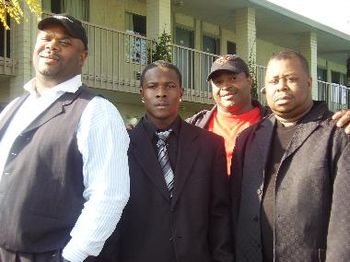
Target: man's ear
(250, 81)
(141, 95)
(309, 84)
(83, 57)
(181, 92)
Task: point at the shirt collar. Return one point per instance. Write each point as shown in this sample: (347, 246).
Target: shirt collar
(151, 129)
(71, 86)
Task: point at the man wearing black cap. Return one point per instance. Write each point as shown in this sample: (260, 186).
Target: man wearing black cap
(234, 108)
(64, 176)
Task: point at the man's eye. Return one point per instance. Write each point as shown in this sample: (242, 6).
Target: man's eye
(292, 79)
(171, 86)
(217, 82)
(273, 81)
(65, 42)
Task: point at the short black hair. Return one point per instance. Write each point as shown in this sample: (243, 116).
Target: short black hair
(164, 64)
(290, 54)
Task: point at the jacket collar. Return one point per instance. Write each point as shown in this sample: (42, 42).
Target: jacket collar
(141, 148)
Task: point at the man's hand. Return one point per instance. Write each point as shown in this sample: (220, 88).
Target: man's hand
(342, 119)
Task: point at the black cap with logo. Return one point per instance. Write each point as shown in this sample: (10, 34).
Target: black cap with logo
(231, 63)
(73, 26)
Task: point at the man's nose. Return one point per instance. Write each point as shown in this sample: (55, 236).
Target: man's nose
(52, 45)
(282, 84)
(161, 91)
(227, 84)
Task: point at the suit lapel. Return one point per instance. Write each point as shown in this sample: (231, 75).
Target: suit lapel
(54, 110)
(305, 128)
(142, 149)
(187, 153)
(11, 112)
(264, 133)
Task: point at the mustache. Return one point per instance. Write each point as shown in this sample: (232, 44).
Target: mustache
(226, 91)
(49, 55)
(284, 96)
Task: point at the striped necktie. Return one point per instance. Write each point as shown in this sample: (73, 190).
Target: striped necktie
(163, 158)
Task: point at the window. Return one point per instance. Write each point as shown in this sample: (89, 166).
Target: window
(77, 8)
(184, 58)
(135, 45)
(211, 45)
(136, 23)
(231, 48)
(184, 37)
(5, 39)
(321, 74)
(335, 77)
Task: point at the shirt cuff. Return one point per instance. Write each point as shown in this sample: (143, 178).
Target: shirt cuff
(73, 253)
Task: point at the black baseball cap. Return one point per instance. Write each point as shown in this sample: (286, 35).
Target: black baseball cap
(73, 26)
(231, 63)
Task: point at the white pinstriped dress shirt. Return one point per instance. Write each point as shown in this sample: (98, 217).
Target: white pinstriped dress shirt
(103, 142)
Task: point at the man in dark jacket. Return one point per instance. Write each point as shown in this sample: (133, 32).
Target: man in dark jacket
(234, 108)
(179, 208)
(290, 191)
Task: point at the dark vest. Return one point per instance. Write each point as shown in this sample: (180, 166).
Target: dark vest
(42, 184)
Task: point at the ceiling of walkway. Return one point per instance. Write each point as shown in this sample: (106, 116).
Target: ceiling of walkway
(331, 43)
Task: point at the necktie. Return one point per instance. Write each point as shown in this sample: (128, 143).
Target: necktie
(163, 158)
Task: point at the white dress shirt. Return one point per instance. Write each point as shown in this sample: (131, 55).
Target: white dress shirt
(103, 142)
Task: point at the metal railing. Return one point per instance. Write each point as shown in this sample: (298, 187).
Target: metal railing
(116, 60)
(195, 67)
(260, 72)
(336, 96)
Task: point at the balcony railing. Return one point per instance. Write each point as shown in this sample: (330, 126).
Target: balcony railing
(7, 64)
(195, 67)
(337, 96)
(260, 72)
(116, 60)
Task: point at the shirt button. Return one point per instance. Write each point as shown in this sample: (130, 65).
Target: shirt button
(14, 154)
(259, 191)
(256, 219)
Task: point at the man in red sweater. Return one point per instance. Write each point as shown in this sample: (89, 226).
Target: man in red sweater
(234, 108)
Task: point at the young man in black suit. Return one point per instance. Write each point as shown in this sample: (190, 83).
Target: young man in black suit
(183, 215)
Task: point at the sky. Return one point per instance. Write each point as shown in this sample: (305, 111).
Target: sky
(333, 13)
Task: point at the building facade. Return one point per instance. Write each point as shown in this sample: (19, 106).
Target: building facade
(122, 35)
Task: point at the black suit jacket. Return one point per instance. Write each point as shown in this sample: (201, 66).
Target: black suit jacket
(193, 225)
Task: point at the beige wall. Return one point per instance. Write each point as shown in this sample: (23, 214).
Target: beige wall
(4, 90)
(108, 13)
(265, 50)
(184, 20)
(330, 65)
(201, 28)
(226, 35)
